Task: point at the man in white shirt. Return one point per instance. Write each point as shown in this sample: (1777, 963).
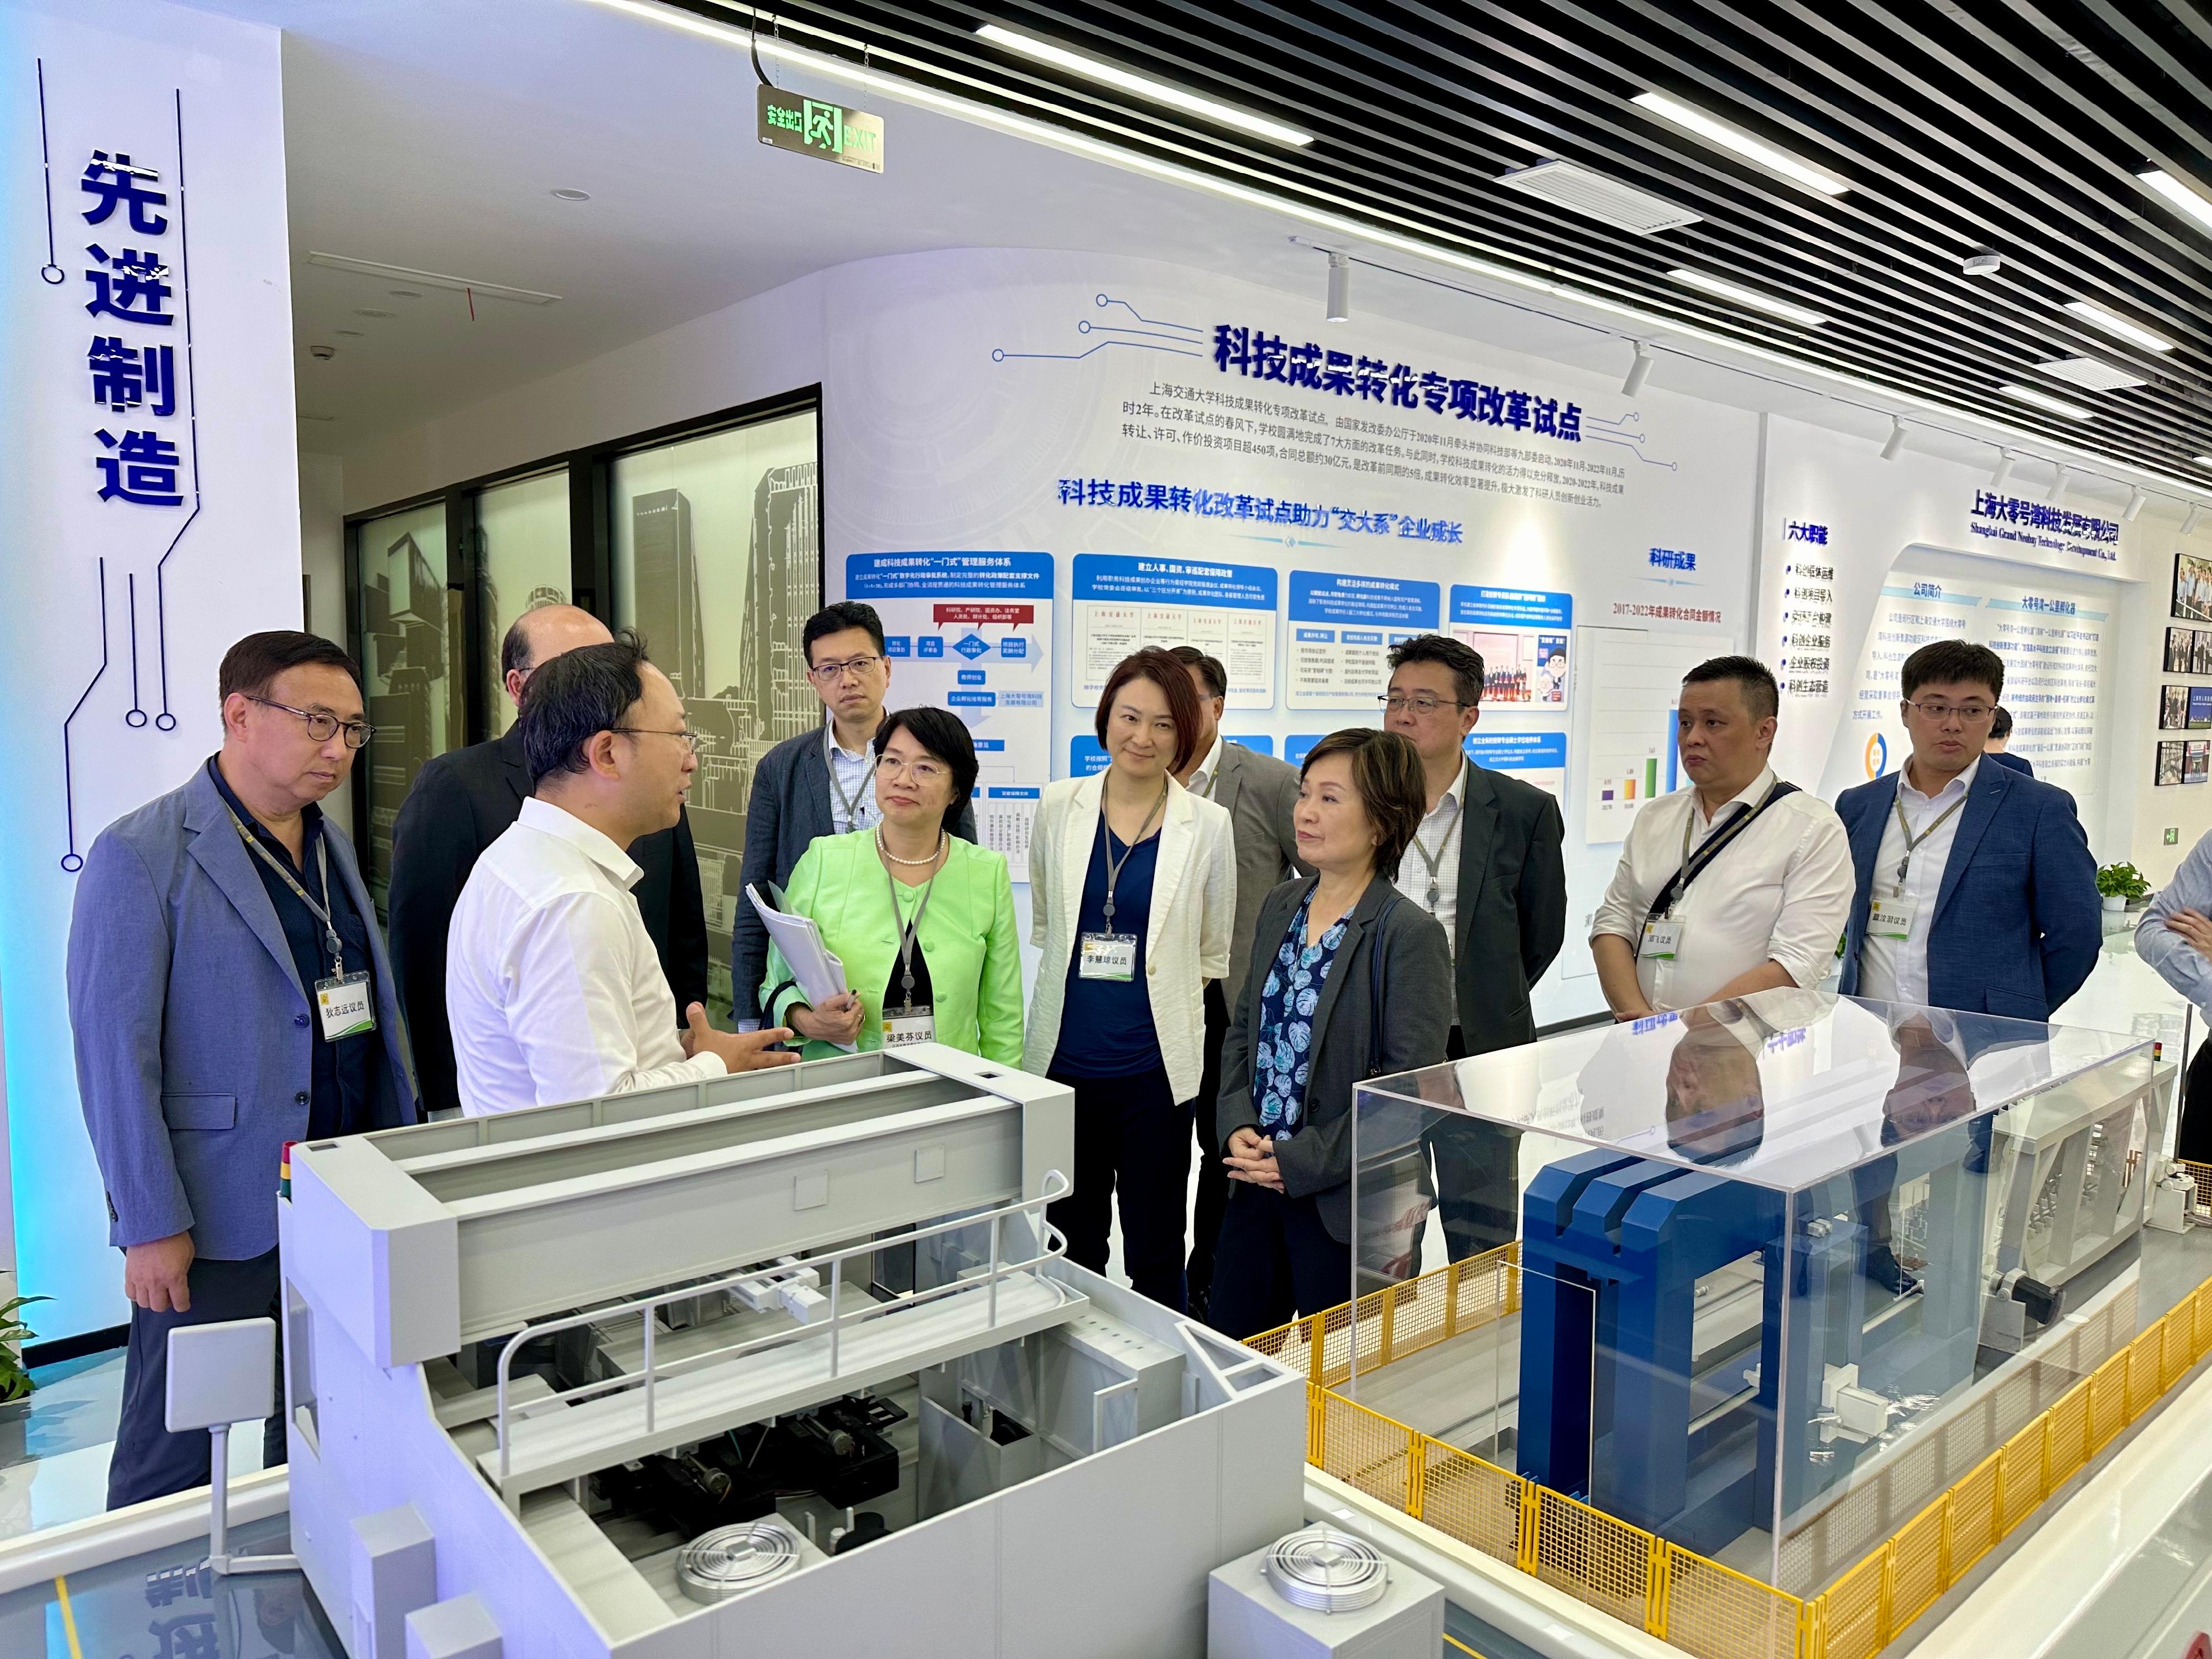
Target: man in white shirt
(1976, 889)
(1486, 862)
(1738, 884)
(553, 987)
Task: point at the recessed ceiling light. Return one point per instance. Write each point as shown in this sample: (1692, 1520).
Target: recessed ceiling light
(1781, 163)
(2202, 460)
(348, 333)
(2119, 326)
(572, 195)
(2029, 394)
(406, 294)
(1568, 185)
(2092, 374)
(2166, 184)
(1746, 296)
(1142, 86)
(365, 313)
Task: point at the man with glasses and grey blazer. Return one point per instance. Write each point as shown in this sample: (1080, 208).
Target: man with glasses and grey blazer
(228, 992)
(821, 782)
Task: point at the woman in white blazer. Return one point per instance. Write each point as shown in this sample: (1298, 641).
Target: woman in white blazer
(1133, 888)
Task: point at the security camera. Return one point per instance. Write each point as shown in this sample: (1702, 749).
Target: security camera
(322, 354)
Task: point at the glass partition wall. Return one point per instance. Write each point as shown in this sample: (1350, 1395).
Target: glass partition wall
(706, 537)
(717, 565)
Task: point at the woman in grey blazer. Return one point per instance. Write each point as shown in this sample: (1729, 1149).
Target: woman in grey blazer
(1310, 1026)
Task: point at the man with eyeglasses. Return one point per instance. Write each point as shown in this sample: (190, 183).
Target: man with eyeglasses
(462, 801)
(554, 990)
(1975, 886)
(228, 992)
(1486, 863)
(819, 783)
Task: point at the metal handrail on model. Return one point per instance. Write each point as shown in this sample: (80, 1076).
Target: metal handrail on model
(1056, 1187)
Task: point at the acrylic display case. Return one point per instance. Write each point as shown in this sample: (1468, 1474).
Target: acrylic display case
(1760, 1278)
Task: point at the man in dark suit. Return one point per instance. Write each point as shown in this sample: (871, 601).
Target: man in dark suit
(1976, 889)
(1997, 745)
(821, 782)
(1487, 864)
(464, 801)
(1260, 793)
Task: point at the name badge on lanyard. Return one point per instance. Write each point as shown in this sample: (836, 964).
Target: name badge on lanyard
(1662, 938)
(1891, 918)
(347, 1004)
(1108, 955)
(911, 1024)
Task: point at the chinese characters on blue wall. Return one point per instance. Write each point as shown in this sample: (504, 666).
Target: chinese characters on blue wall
(1260, 356)
(133, 372)
(1264, 509)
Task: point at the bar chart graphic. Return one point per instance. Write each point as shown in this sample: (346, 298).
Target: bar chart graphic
(1635, 680)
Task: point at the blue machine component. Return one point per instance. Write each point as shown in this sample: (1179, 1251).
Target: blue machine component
(1612, 1405)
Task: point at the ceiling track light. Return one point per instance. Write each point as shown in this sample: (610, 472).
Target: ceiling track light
(2003, 476)
(1639, 371)
(1339, 286)
(1895, 441)
(2135, 507)
(1142, 85)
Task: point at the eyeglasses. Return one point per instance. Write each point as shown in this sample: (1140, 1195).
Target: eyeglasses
(1397, 702)
(1970, 713)
(924, 772)
(322, 726)
(829, 673)
(692, 740)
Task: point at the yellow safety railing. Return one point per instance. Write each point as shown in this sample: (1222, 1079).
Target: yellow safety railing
(1687, 1599)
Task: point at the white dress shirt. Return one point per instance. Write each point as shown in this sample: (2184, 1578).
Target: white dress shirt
(1439, 834)
(1202, 781)
(1781, 891)
(553, 989)
(854, 776)
(1893, 969)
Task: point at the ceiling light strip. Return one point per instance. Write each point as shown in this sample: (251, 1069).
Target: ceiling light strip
(1747, 296)
(1034, 131)
(2044, 400)
(528, 296)
(1719, 133)
(2171, 188)
(2119, 326)
(1142, 86)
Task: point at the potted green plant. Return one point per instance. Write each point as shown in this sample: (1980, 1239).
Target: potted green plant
(2119, 883)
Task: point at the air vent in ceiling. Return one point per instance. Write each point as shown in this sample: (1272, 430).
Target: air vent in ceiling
(2092, 374)
(1592, 194)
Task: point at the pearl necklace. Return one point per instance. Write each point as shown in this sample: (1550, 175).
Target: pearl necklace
(910, 863)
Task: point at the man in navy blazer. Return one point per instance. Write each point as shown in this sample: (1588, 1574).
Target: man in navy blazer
(1976, 889)
(229, 992)
(822, 783)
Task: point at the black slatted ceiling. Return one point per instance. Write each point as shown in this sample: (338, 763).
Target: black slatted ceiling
(2017, 126)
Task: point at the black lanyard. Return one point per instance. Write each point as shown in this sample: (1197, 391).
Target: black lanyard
(1696, 864)
(1114, 866)
(907, 930)
(322, 868)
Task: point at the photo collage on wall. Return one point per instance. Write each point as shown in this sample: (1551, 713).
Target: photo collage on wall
(2189, 651)
(2189, 760)
(2192, 587)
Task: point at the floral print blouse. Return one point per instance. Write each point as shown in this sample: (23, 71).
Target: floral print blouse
(1281, 1060)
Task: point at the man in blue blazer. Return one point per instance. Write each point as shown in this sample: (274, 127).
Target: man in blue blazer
(1976, 889)
(822, 783)
(228, 992)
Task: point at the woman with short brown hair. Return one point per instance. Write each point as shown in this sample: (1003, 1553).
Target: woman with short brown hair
(1347, 983)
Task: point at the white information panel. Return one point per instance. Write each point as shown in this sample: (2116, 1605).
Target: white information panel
(1227, 611)
(1634, 683)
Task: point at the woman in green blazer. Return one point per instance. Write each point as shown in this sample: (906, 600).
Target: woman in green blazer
(922, 921)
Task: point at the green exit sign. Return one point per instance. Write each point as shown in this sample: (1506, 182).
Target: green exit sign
(851, 137)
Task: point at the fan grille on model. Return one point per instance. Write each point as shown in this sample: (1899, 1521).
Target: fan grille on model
(730, 1560)
(1325, 1570)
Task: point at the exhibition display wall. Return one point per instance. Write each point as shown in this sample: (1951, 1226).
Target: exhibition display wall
(147, 458)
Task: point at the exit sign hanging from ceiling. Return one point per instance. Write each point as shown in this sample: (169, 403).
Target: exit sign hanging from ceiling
(851, 137)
